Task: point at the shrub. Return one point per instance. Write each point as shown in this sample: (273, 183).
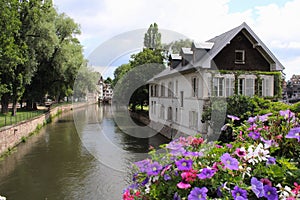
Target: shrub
(262, 163)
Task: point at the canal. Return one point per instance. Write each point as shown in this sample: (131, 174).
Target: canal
(81, 155)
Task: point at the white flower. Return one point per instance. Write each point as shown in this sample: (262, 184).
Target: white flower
(285, 192)
(2, 198)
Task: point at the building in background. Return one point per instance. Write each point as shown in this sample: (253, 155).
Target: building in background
(235, 62)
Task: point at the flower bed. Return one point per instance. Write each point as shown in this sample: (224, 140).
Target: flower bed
(262, 163)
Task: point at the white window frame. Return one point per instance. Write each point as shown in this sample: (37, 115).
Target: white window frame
(237, 61)
(193, 119)
(194, 83)
(229, 86)
(218, 87)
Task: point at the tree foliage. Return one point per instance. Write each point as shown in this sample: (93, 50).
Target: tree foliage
(40, 53)
(175, 47)
(152, 38)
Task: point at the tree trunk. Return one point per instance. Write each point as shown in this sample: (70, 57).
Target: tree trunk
(4, 103)
(14, 108)
(28, 104)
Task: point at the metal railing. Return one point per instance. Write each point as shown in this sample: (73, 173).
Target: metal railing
(7, 120)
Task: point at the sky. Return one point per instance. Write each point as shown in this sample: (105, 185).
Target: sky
(104, 23)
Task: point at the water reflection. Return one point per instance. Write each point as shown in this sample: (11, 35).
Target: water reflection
(92, 162)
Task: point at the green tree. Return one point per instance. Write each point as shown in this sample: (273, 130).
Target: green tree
(86, 81)
(152, 38)
(141, 68)
(108, 80)
(57, 72)
(10, 53)
(175, 47)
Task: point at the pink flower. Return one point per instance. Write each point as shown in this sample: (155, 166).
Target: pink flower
(240, 152)
(183, 185)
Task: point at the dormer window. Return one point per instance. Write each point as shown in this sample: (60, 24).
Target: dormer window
(239, 56)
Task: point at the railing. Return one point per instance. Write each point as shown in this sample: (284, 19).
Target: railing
(6, 120)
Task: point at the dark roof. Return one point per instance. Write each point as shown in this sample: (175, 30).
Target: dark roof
(216, 44)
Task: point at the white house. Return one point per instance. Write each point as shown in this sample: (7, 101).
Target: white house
(235, 62)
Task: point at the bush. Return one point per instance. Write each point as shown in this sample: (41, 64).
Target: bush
(262, 163)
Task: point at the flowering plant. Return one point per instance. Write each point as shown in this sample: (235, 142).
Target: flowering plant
(262, 162)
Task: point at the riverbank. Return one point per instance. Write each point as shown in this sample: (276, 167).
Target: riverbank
(163, 129)
(11, 136)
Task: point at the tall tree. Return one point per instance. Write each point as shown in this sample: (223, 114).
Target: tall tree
(56, 73)
(152, 38)
(10, 52)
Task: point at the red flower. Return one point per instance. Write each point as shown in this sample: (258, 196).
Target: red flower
(197, 141)
(296, 189)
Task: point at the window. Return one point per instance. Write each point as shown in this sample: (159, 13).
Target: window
(239, 56)
(176, 114)
(162, 112)
(249, 91)
(176, 89)
(162, 90)
(246, 86)
(193, 119)
(153, 107)
(241, 86)
(170, 117)
(170, 89)
(266, 87)
(195, 87)
(181, 98)
(151, 90)
(155, 90)
(218, 84)
(229, 84)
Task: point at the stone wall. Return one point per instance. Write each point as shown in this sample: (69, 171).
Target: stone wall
(10, 136)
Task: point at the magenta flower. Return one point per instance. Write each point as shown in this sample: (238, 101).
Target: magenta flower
(183, 185)
(257, 187)
(238, 192)
(184, 164)
(270, 193)
(229, 162)
(240, 152)
(198, 194)
(206, 173)
(233, 118)
(294, 133)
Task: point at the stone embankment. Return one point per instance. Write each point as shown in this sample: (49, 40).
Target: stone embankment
(11, 136)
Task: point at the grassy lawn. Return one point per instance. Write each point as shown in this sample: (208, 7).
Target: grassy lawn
(7, 119)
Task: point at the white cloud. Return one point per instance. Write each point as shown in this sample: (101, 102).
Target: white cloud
(278, 27)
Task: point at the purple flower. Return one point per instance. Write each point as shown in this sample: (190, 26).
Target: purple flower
(294, 133)
(271, 161)
(287, 114)
(143, 165)
(251, 120)
(257, 187)
(229, 162)
(167, 177)
(266, 181)
(176, 196)
(268, 143)
(191, 154)
(233, 117)
(270, 193)
(229, 146)
(184, 164)
(176, 148)
(264, 117)
(238, 192)
(154, 169)
(254, 135)
(240, 198)
(198, 194)
(206, 173)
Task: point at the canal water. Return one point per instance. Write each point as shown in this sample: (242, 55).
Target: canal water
(81, 155)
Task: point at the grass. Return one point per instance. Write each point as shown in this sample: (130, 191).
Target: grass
(7, 119)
